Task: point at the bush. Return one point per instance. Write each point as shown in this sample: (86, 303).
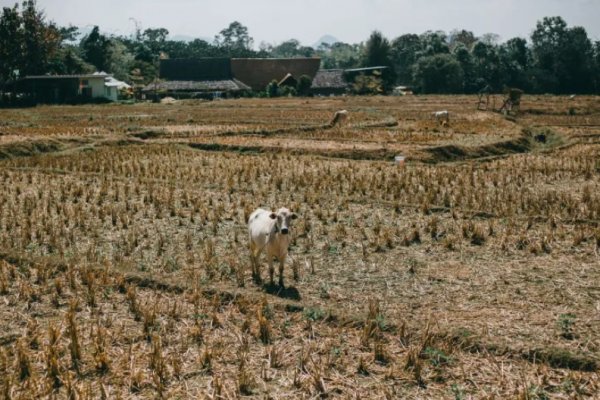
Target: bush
(288, 91)
(272, 89)
(366, 84)
(303, 86)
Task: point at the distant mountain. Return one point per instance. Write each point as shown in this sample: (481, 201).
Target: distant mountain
(328, 39)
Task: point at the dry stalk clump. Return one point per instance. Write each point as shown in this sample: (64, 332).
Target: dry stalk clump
(158, 363)
(245, 381)
(23, 367)
(265, 333)
(52, 357)
(374, 324)
(206, 358)
(74, 344)
(102, 362)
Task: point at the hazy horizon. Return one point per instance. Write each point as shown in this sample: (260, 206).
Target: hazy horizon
(349, 21)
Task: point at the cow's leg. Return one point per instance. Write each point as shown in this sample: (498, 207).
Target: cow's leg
(271, 269)
(254, 258)
(281, 262)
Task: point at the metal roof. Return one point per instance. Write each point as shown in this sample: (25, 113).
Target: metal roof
(365, 69)
(82, 76)
(199, 86)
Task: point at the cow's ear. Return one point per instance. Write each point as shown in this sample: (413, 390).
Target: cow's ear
(294, 216)
(272, 215)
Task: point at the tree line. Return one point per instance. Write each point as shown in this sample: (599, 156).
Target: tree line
(556, 58)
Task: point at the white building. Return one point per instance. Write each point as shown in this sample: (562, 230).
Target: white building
(68, 88)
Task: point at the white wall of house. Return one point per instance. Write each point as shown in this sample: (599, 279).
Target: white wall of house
(97, 85)
(111, 93)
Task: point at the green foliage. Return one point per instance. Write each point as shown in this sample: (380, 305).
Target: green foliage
(404, 52)
(287, 91)
(96, 49)
(566, 57)
(303, 87)
(272, 89)
(437, 357)
(377, 52)
(28, 43)
(457, 392)
(462, 37)
(235, 40)
(314, 314)
(289, 49)
(560, 59)
(367, 84)
(340, 55)
(566, 323)
(440, 73)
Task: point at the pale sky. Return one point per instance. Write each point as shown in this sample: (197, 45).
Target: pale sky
(274, 21)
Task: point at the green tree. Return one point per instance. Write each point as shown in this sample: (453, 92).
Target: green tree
(547, 39)
(576, 65)
(11, 41)
(155, 38)
(597, 66)
(440, 73)
(433, 43)
(72, 63)
(377, 52)
(290, 49)
(176, 49)
(235, 40)
(28, 43)
(404, 52)
(272, 89)
(120, 60)
(466, 38)
(487, 65)
(41, 40)
(340, 55)
(303, 86)
(96, 49)
(515, 63)
(464, 58)
(563, 57)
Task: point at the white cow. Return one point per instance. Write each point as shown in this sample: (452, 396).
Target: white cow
(442, 117)
(269, 231)
(339, 117)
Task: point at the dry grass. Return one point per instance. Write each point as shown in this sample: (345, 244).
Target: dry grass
(124, 269)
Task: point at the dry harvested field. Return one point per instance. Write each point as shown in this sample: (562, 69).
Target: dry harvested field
(473, 271)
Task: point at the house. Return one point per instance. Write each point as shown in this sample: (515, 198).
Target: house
(218, 77)
(259, 72)
(69, 88)
(195, 89)
(223, 77)
(114, 87)
(195, 69)
(195, 78)
(328, 82)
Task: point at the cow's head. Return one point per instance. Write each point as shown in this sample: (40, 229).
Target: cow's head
(283, 218)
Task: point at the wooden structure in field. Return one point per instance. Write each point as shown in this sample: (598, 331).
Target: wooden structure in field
(512, 101)
(484, 98)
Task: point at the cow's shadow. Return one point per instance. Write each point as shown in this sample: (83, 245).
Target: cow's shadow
(289, 292)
